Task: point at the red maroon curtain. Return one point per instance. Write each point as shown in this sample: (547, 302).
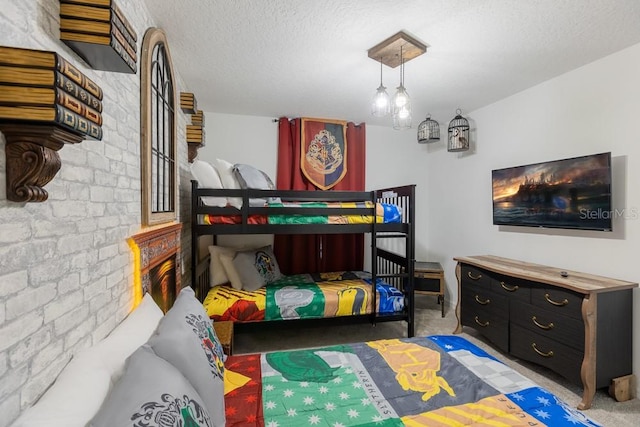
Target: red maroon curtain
(303, 253)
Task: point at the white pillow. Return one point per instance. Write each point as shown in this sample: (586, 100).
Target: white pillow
(217, 271)
(130, 334)
(82, 386)
(207, 177)
(229, 181)
(74, 398)
(232, 273)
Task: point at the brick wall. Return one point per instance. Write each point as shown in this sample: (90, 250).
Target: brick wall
(65, 267)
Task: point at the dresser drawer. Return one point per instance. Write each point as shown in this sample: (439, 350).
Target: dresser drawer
(556, 356)
(478, 297)
(558, 300)
(492, 325)
(475, 275)
(486, 312)
(513, 288)
(564, 329)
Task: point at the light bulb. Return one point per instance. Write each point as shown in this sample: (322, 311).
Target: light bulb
(380, 106)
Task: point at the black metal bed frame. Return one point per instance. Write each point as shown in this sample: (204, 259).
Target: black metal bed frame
(396, 269)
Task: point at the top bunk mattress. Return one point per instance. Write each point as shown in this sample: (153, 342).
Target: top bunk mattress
(304, 296)
(386, 213)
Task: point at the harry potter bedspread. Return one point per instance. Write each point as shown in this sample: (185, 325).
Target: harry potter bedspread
(304, 296)
(432, 381)
(385, 213)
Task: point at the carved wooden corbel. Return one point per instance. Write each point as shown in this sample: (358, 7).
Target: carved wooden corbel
(195, 134)
(32, 158)
(193, 148)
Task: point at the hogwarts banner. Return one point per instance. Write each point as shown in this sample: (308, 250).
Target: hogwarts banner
(323, 153)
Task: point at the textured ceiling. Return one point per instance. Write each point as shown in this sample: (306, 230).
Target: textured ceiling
(309, 58)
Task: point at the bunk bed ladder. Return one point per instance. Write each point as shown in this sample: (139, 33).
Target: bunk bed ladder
(199, 270)
(194, 238)
(374, 262)
(397, 270)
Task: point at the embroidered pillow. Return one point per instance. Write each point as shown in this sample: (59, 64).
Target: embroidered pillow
(229, 181)
(256, 268)
(152, 392)
(185, 338)
(207, 177)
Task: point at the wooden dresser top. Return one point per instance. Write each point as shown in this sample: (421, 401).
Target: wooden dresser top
(574, 280)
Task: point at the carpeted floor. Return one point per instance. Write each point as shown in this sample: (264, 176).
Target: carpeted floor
(604, 410)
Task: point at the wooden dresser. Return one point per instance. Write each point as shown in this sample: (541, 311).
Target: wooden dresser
(578, 325)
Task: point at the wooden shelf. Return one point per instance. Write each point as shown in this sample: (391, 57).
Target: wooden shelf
(188, 103)
(99, 34)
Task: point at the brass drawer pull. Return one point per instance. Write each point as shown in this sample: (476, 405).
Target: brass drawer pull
(485, 324)
(559, 304)
(545, 327)
(548, 354)
(509, 288)
(485, 302)
(472, 277)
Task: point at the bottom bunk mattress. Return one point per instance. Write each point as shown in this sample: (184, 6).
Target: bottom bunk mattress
(304, 296)
(428, 381)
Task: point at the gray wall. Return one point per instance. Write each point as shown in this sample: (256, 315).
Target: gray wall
(65, 266)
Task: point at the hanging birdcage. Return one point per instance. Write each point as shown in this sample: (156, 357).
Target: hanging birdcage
(458, 138)
(428, 131)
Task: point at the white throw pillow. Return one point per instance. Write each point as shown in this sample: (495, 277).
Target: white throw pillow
(208, 177)
(134, 331)
(74, 398)
(229, 181)
(82, 386)
(217, 271)
(232, 273)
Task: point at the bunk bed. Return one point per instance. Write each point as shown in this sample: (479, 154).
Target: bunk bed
(316, 212)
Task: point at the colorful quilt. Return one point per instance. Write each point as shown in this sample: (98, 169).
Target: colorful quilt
(385, 213)
(429, 381)
(304, 296)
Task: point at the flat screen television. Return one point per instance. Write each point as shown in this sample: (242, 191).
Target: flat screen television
(571, 193)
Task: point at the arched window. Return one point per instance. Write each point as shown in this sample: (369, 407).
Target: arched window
(158, 130)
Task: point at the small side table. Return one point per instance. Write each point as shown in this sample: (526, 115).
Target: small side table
(429, 280)
(224, 331)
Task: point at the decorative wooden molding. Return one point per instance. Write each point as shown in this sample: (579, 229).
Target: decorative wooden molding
(188, 103)
(32, 158)
(152, 248)
(193, 150)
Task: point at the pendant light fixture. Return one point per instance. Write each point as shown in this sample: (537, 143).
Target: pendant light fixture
(401, 102)
(393, 52)
(381, 105)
